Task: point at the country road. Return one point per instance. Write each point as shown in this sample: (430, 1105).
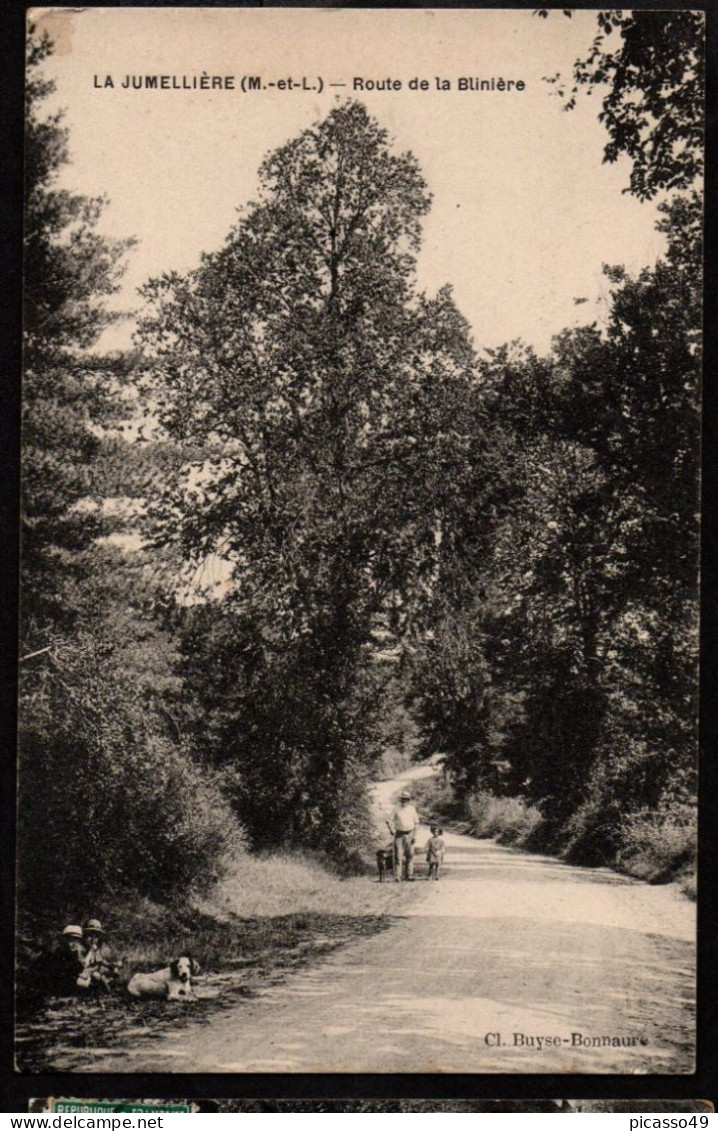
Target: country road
(511, 963)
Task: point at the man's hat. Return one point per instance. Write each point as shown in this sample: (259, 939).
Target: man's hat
(72, 932)
(96, 926)
(405, 795)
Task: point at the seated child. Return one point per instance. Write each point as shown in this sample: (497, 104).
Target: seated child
(100, 970)
(435, 852)
(63, 967)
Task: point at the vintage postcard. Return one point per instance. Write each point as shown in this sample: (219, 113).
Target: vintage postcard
(359, 619)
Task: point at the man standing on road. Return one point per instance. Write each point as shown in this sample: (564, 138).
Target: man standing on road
(404, 823)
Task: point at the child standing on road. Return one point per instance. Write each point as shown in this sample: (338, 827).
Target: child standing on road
(435, 852)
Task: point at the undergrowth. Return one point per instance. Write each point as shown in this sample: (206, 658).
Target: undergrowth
(508, 820)
(658, 847)
(267, 916)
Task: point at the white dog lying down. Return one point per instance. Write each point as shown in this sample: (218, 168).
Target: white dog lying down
(174, 981)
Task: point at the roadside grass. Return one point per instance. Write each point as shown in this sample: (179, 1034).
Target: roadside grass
(271, 884)
(268, 916)
(435, 800)
(660, 848)
(507, 820)
(656, 847)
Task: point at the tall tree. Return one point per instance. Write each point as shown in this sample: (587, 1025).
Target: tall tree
(580, 679)
(108, 797)
(330, 401)
(653, 66)
(70, 271)
(590, 622)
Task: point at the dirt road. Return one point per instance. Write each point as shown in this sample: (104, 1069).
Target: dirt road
(511, 963)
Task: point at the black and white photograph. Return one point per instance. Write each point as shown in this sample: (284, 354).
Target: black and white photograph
(358, 663)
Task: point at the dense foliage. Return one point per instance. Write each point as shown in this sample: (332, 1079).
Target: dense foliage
(108, 797)
(649, 67)
(565, 671)
(422, 549)
(69, 273)
(329, 405)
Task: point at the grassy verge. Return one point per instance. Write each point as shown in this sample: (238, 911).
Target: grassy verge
(268, 917)
(660, 848)
(657, 848)
(508, 820)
